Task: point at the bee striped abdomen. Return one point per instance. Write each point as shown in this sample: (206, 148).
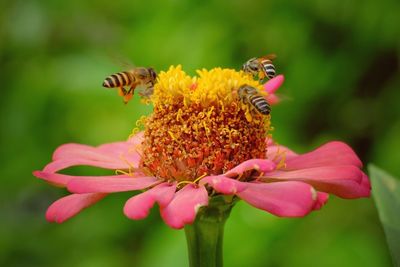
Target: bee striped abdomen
(260, 104)
(118, 80)
(249, 95)
(269, 68)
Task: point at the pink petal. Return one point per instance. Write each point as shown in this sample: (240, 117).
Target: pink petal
(138, 207)
(68, 151)
(61, 164)
(326, 173)
(184, 206)
(224, 185)
(119, 155)
(332, 153)
(361, 190)
(109, 184)
(62, 179)
(260, 165)
(125, 151)
(283, 199)
(54, 178)
(322, 198)
(276, 152)
(269, 142)
(123, 147)
(69, 206)
(272, 85)
(108, 153)
(365, 183)
(343, 181)
(105, 152)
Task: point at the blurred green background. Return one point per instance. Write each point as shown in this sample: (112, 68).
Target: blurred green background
(341, 62)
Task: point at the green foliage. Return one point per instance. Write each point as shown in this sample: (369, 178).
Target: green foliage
(340, 59)
(387, 198)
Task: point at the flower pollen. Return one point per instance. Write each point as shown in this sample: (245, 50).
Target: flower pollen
(199, 126)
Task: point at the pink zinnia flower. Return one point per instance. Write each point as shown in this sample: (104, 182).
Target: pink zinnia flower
(196, 146)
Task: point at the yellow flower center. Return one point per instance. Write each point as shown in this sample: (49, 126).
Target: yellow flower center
(199, 125)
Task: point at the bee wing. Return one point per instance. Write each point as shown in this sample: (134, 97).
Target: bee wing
(121, 61)
(275, 98)
(269, 56)
(142, 71)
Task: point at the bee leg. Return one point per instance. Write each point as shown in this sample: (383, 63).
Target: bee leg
(121, 91)
(261, 77)
(129, 94)
(127, 97)
(147, 92)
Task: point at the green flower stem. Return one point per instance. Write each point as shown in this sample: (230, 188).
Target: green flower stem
(204, 237)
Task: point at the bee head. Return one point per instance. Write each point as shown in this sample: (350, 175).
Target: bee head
(153, 73)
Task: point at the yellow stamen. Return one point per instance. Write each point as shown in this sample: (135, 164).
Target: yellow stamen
(210, 112)
(179, 115)
(260, 176)
(172, 135)
(134, 132)
(118, 172)
(281, 155)
(183, 182)
(192, 182)
(200, 177)
(282, 162)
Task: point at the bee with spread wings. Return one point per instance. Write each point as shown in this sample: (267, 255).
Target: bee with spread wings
(128, 81)
(132, 78)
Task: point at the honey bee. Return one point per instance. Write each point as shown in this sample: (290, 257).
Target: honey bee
(137, 76)
(261, 66)
(250, 95)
